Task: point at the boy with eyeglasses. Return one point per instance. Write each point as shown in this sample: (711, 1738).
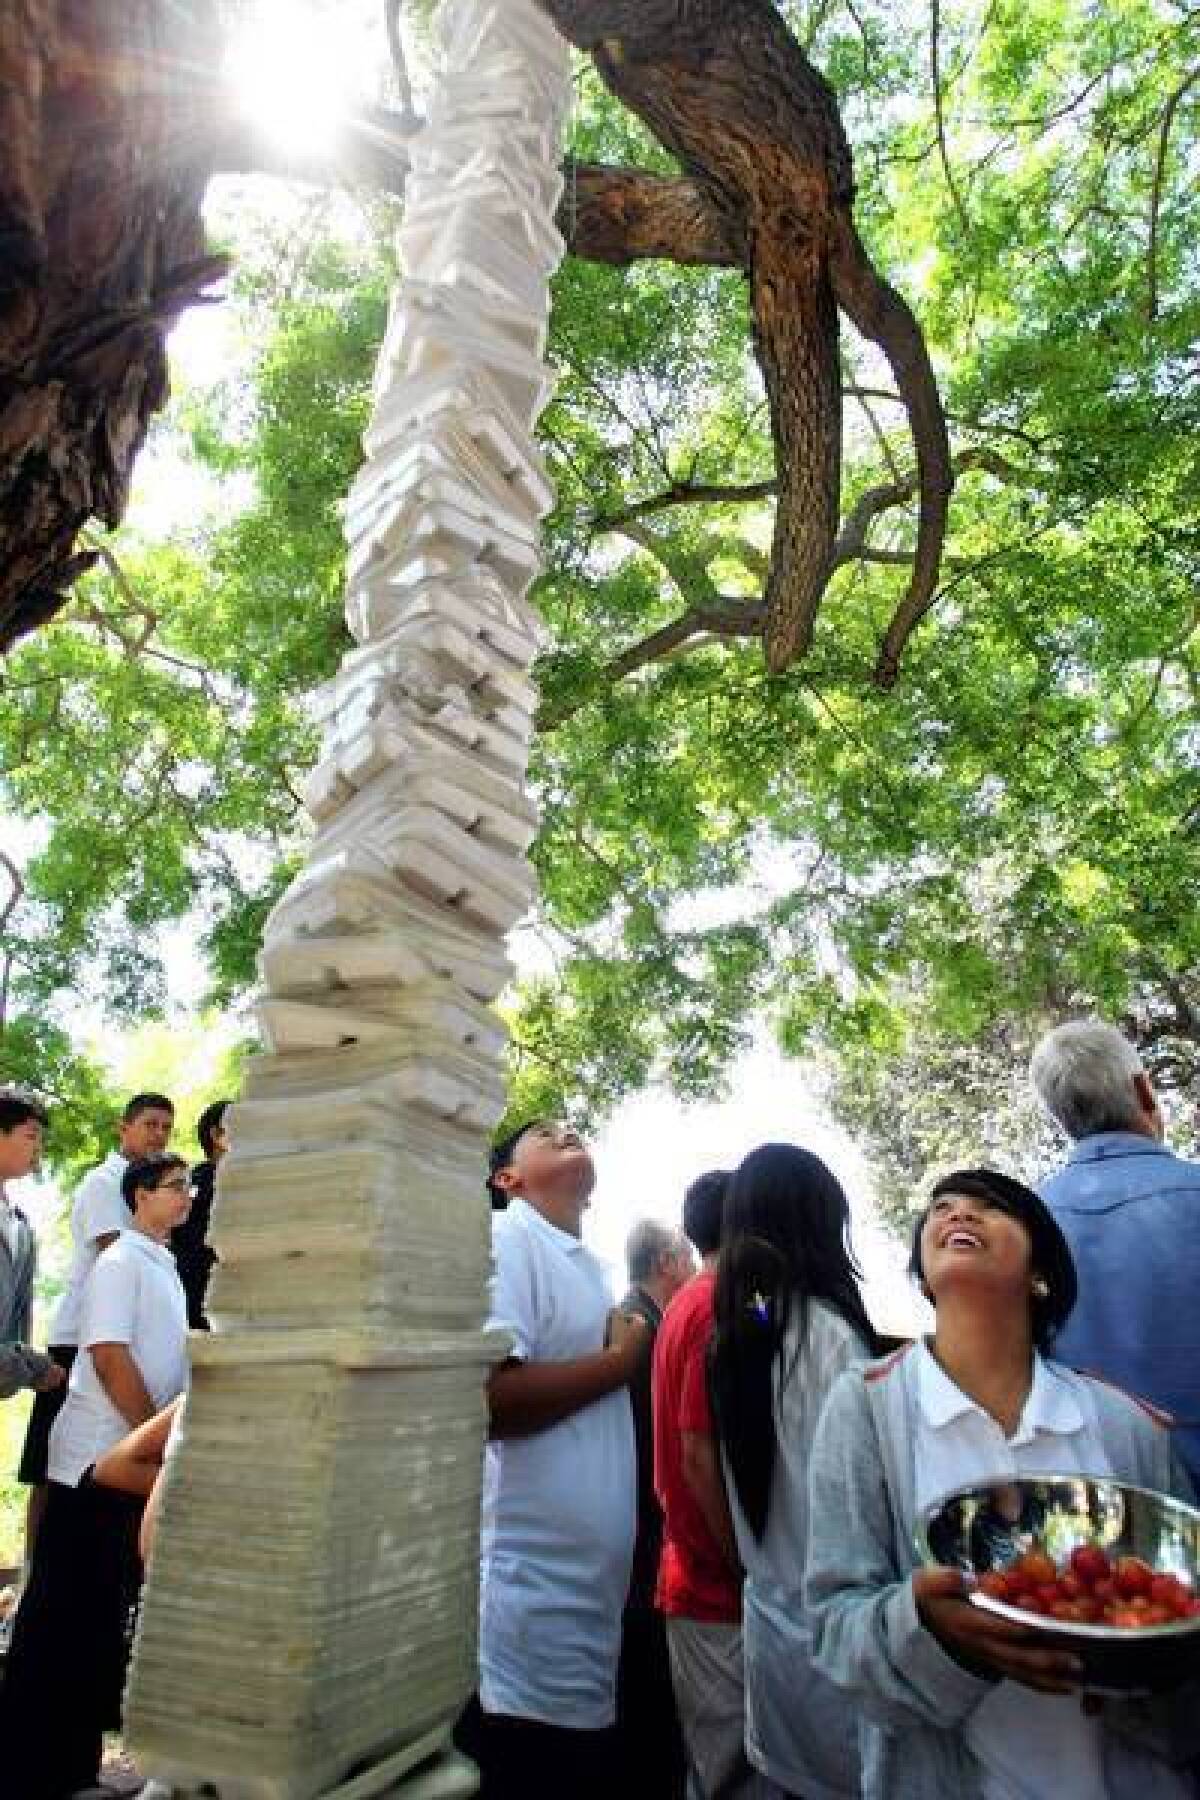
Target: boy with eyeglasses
(98, 1216)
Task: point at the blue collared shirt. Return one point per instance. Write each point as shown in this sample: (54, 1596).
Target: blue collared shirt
(1130, 1210)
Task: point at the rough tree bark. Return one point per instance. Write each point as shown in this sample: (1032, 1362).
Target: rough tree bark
(102, 173)
(725, 86)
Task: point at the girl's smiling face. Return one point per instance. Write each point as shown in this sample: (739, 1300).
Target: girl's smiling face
(969, 1243)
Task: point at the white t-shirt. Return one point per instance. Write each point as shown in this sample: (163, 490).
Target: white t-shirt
(560, 1506)
(134, 1297)
(807, 1749)
(98, 1209)
(1029, 1745)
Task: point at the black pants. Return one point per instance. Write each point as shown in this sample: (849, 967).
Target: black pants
(46, 1408)
(651, 1756)
(523, 1759)
(70, 1643)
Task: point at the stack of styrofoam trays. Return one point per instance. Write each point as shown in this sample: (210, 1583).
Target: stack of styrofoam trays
(506, 78)
(451, 1081)
(426, 661)
(373, 697)
(433, 855)
(346, 911)
(468, 146)
(464, 390)
(460, 399)
(377, 1230)
(466, 252)
(496, 810)
(271, 1128)
(451, 536)
(384, 729)
(438, 464)
(443, 509)
(374, 609)
(455, 157)
(338, 1619)
(437, 337)
(521, 218)
(431, 662)
(466, 31)
(369, 1012)
(310, 963)
(501, 465)
(506, 87)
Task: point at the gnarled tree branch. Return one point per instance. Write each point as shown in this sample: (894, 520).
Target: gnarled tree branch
(729, 91)
(620, 215)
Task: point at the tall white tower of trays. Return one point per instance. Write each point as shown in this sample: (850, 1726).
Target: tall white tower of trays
(309, 1624)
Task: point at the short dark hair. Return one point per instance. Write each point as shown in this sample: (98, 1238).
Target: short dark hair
(500, 1156)
(1049, 1252)
(147, 1172)
(17, 1107)
(703, 1205)
(146, 1103)
(209, 1122)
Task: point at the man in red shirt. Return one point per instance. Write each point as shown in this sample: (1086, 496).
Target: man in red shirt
(700, 1579)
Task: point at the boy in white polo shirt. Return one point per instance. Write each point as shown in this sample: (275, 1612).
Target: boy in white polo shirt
(98, 1216)
(66, 1667)
(559, 1504)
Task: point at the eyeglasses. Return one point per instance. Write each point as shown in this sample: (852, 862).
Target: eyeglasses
(181, 1186)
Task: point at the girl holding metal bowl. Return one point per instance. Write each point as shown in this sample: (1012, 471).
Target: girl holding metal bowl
(954, 1702)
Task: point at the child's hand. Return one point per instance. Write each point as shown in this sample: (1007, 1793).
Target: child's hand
(630, 1336)
(986, 1644)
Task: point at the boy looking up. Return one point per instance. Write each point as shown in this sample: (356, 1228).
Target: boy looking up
(559, 1502)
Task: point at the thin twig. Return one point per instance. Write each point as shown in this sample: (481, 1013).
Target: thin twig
(690, 493)
(935, 69)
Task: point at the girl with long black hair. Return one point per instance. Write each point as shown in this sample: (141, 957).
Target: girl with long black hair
(789, 1320)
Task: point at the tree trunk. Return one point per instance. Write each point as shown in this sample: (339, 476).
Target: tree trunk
(101, 247)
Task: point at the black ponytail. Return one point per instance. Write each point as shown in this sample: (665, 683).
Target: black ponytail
(785, 1241)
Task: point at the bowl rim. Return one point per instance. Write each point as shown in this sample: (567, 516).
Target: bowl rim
(1103, 1634)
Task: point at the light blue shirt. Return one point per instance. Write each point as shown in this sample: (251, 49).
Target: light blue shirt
(560, 1506)
(1130, 1210)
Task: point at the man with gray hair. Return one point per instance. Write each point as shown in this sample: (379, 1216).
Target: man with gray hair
(1130, 1210)
(659, 1259)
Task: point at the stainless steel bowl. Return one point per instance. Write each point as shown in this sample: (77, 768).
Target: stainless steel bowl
(989, 1527)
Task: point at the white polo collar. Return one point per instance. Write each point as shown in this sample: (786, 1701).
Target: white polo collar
(148, 1247)
(1051, 1406)
(533, 1220)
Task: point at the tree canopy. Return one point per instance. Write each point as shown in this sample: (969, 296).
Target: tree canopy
(910, 880)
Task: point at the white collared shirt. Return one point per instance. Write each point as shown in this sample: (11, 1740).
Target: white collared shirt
(959, 1443)
(98, 1209)
(559, 1506)
(134, 1297)
(1028, 1745)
